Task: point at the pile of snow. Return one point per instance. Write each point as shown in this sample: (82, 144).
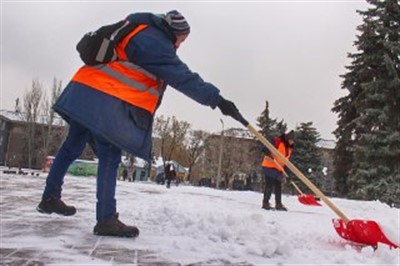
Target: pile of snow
(186, 225)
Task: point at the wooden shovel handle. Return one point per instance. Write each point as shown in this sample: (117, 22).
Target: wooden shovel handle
(284, 172)
(297, 172)
(297, 188)
(280, 167)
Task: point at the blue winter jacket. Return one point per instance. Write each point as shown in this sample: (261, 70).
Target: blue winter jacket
(126, 126)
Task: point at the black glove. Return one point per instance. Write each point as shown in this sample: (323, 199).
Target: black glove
(229, 108)
(284, 179)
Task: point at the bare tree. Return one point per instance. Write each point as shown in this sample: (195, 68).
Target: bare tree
(195, 148)
(160, 130)
(171, 133)
(30, 113)
(44, 129)
(50, 136)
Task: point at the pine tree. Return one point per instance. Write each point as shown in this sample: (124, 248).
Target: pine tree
(369, 122)
(270, 127)
(306, 155)
(343, 153)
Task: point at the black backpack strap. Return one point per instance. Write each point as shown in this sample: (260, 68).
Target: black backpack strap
(122, 31)
(124, 27)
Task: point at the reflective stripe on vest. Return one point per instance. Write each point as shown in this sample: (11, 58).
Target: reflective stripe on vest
(271, 163)
(123, 79)
(108, 69)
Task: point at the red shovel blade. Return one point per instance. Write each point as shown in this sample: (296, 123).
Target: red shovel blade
(308, 199)
(362, 232)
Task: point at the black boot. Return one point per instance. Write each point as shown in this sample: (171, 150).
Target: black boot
(55, 205)
(280, 207)
(114, 227)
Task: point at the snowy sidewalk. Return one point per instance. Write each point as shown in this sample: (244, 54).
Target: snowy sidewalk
(30, 238)
(180, 226)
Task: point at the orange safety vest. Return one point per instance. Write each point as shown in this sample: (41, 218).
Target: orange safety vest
(271, 162)
(123, 79)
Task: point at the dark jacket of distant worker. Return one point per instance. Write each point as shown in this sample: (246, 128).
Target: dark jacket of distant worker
(170, 173)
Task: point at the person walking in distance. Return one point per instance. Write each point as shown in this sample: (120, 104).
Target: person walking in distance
(170, 173)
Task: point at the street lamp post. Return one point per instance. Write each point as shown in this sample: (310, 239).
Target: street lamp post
(221, 148)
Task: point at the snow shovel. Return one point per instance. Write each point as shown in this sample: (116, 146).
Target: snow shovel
(306, 199)
(357, 231)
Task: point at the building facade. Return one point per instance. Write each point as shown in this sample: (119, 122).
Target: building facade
(12, 134)
(27, 144)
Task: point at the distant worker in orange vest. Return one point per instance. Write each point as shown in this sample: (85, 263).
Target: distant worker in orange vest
(112, 106)
(273, 170)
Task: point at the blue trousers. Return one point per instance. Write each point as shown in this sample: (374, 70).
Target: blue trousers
(109, 158)
(272, 184)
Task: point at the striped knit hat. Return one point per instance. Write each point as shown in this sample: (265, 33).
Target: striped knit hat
(177, 22)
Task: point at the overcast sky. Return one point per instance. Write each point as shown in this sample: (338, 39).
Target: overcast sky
(290, 53)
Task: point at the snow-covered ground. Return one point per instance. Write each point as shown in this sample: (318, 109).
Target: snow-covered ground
(183, 226)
